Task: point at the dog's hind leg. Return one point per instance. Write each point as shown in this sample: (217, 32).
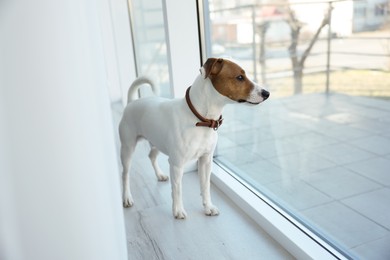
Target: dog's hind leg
(126, 152)
(153, 158)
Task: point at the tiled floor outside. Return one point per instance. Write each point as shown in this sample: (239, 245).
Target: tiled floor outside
(326, 157)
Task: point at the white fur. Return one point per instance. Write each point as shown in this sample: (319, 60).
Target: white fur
(169, 126)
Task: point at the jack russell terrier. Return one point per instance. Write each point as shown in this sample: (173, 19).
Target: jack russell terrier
(185, 129)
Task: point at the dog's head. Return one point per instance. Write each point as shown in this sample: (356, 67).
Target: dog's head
(229, 79)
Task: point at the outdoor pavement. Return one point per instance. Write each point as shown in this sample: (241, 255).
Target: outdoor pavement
(324, 157)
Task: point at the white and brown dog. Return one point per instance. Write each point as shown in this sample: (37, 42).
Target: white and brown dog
(184, 129)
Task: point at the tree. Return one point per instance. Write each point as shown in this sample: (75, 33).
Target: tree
(297, 62)
(262, 28)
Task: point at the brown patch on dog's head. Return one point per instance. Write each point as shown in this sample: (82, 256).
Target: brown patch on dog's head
(228, 79)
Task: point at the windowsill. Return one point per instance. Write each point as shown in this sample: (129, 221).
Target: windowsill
(153, 233)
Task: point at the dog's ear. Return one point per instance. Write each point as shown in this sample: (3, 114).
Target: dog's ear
(212, 66)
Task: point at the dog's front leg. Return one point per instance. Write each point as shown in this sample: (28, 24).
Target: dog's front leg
(204, 170)
(176, 182)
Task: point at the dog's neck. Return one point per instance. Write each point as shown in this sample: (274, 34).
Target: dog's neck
(206, 99)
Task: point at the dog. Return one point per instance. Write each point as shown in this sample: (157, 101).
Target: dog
(185, 128)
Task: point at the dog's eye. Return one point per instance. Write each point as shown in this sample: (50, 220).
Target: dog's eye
(240, 78)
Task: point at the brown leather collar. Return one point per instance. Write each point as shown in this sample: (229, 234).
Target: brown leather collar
(204, 121)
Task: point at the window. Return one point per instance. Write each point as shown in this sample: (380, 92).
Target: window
(150, 44)
(380, 9)
(319, 148)
(360, 11)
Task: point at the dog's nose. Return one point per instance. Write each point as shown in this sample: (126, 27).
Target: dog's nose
(265, 94)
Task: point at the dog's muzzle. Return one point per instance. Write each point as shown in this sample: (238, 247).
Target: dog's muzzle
(264, 94)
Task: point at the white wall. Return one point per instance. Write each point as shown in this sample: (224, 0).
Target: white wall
(59, 188)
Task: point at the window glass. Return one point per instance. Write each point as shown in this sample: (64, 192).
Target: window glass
(150, 44)
(320, 146)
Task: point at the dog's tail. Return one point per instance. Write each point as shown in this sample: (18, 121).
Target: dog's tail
(137, 84)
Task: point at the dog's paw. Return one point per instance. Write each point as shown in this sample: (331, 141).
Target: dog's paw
(162, 177)
(211, 210)
(127, 203)
(180, 214)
